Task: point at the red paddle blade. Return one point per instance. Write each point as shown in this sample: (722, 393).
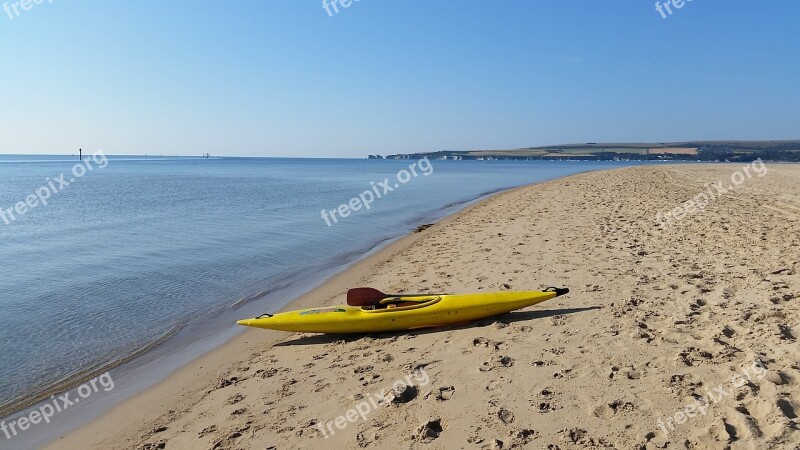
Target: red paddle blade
(364, 296)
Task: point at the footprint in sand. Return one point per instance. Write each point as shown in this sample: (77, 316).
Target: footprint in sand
(235, 399)
(787, 408)
(445, 393)
(505, 416)
(542, 363)
(747, 424)
(486, 343)
(429, 431)
(563, 374)
(544, 403)
(693, 356)
(500, 361)
(206, 431)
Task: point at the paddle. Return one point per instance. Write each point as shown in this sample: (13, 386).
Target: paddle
(366, 296)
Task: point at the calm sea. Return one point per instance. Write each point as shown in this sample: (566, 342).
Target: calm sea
(133, 251)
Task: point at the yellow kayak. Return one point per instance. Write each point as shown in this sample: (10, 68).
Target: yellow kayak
(401, 312)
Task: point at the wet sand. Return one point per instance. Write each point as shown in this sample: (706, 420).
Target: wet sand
(675, 336)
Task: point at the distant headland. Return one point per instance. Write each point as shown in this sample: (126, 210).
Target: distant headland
(721, 151)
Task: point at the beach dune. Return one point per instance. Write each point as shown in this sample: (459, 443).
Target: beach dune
(676, 334)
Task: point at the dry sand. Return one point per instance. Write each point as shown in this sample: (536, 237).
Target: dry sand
(656, 319)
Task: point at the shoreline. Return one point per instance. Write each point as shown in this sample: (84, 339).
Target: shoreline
(193, 374)
(149, 356)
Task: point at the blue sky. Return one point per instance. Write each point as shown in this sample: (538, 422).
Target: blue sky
(283, 78)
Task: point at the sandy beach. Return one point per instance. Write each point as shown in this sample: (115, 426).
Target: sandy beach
(676, 334)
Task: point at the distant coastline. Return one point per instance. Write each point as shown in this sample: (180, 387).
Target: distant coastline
(716, 151)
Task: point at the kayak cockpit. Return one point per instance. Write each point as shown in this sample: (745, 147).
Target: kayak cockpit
(396, 304)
